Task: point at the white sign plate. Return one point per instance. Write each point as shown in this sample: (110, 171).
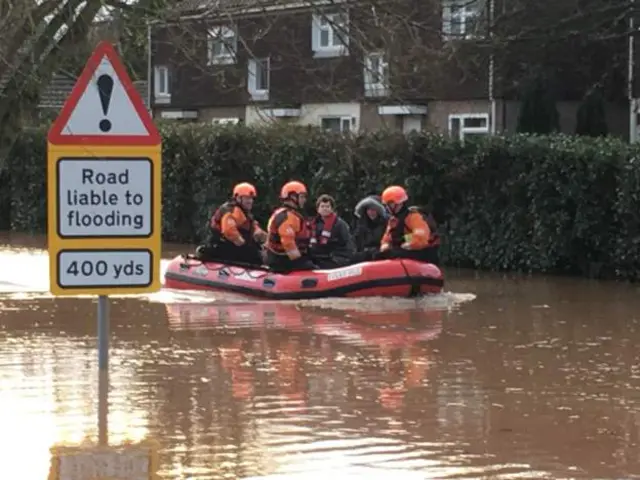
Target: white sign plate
(105, 197)
(114, 465)
(105, 268)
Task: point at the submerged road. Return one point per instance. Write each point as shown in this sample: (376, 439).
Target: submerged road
(499, 377)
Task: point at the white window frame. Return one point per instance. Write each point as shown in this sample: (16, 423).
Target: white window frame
(252, 78)
(343, 119)
(458, 12)
(228, 36)
(327, 22)
(469, 130)
(379, 89)
(161, 72)
(225, 121)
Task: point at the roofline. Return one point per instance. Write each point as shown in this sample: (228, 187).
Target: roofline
(297, 5)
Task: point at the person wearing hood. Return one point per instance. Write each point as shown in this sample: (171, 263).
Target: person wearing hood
(371, 222)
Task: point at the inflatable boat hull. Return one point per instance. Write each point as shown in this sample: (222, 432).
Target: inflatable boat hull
(386, 278)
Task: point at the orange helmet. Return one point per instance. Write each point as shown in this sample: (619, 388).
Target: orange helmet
(394, 194)
(293, 187)
(244, 190)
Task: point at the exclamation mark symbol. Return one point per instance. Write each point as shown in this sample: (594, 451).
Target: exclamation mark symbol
(105, 88)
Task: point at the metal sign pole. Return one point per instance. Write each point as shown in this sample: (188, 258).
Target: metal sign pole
(103, 369)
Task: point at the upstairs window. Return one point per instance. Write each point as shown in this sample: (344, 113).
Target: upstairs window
(222, 45)
(376, 75)
(258, 78)
(463, 19)
(161, 86)
(330, 34)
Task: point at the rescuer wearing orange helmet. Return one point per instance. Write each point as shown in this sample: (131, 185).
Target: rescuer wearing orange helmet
(234, 236)
(288, 232)
(410, 232)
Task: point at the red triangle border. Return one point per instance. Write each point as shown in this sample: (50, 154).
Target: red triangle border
(55, 135)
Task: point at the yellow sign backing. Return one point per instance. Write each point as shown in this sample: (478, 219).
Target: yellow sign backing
(104, 214)
(104, 186)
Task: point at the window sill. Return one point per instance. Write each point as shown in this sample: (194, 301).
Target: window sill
(376, 91)
(331, 52)
(161, 98)
(461, 37)
(259, 95)
(226, 60)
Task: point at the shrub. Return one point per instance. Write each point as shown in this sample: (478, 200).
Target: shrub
(591, 117)
(525, 202)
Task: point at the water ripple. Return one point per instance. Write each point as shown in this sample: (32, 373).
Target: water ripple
(453, 386)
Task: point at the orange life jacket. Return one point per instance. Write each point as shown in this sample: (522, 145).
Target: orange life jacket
(246, 229)
(399, 228)
(274, 242)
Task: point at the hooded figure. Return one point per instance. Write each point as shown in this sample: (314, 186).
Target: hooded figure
(371, 221)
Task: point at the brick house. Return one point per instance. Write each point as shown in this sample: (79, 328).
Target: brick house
(56, 92)
(346, 66)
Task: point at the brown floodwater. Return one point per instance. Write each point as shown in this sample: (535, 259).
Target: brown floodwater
(503, 376)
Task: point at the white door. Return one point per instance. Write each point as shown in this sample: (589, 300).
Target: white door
(411, 123)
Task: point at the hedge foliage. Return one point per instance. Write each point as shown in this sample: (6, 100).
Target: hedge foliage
(526, 203)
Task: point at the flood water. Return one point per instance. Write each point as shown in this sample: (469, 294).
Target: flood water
(500, 377)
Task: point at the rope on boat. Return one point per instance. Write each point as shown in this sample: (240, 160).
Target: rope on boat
(243, 270)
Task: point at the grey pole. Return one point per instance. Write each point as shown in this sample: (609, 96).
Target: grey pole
(103, 369)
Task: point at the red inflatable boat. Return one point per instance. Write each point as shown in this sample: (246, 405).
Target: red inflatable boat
(385, 278)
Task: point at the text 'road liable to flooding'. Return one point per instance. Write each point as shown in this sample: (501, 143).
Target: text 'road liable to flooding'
(105, 197)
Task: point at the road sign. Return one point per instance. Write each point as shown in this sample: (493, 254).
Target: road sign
(104, 186)
(122, 462)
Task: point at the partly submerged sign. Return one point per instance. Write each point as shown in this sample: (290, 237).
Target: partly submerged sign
(122, 462)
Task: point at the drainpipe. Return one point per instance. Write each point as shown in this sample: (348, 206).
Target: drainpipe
(492, 99)
(633, 119)
(149, 68)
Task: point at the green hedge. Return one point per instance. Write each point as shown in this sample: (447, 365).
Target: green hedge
(526, 203)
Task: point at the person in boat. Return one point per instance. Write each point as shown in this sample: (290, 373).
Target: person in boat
(234, 235)
(331, 244)
(371, 222)
(408, 233)
(288, 232)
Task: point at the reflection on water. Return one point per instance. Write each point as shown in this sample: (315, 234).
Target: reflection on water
(533, 378)
(48, 385)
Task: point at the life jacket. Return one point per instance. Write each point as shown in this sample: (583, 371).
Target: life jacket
(399, 228)
(246, 229)
(324, 236)
(274, 242)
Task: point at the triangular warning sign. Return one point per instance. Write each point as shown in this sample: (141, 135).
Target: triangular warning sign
(104, 107)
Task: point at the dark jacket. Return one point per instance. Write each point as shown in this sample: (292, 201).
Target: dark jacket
(368, 233)
(338, 247)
